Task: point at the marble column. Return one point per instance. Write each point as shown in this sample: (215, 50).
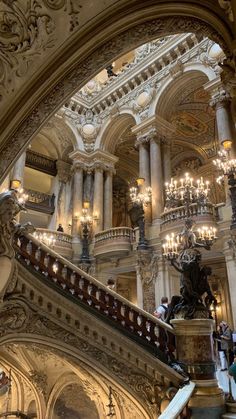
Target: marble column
(225, 125)
(88, 187)
(166, 158)
(77, 199)
(61, 190)
(98, 198)
(144, 159)
(156, 178)
(108, 200)
(19, 167)
(229, 250)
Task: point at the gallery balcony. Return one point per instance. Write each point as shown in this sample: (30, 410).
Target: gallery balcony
(201, 214)
(116, 241)
(39, 201)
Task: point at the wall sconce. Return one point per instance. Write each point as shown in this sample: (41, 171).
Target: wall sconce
(15, 184)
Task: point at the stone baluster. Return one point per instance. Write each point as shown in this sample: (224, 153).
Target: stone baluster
(77, 199)
(156, 177)
(19, 167)
(108, 200)
(98, 198)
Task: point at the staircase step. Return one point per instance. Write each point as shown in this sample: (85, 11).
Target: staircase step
(229, 416)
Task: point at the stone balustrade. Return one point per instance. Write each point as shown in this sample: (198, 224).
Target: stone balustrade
(207, 211)
(116, 232)
(85, 290)
(114, 241)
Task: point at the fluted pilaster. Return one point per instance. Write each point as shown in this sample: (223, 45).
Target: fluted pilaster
(166, 158)
(156, 176)
(19, 167)
(98, 197)
(77, 198)
(108, 200)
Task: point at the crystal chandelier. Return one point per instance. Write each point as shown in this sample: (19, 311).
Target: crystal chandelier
(174, 243)
(22, 196)
(139, 194)
(225, 165)
(185, 192)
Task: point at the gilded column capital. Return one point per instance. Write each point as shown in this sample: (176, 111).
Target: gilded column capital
(142, 140)
(152, 135)
(220, 98)
(77, 167)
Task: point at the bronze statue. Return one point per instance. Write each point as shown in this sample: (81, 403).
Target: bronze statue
(194, 278)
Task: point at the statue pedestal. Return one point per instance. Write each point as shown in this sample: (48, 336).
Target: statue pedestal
(195, 354)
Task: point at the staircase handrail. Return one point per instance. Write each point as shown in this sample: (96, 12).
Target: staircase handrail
(83, 287)
(179, 401)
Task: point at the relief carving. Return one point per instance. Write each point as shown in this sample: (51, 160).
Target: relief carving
(153, 29)
(147, 273)
(17, 316)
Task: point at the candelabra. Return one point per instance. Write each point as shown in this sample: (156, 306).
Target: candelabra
(181, 248)
(227, 167)
(175, 243)
(46, 238)
(185, 192)
(140, 197)
(86, 222)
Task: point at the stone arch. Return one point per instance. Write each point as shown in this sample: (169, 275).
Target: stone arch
(17, 375)
(65, 349)
(169, 93)
(64, 381)
(114, 128)
(171, 85)
(121, 34)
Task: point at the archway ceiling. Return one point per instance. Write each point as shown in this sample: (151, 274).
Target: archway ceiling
(57, 59)
(187, 108)
(128, 165)
(59, 133)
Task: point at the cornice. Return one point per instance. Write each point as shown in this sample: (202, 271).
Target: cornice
(99, 103)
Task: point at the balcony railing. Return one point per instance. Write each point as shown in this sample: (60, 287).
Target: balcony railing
(114, 241)
(39, 201)
(40, 162)
(86, 291)
(208, 210)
